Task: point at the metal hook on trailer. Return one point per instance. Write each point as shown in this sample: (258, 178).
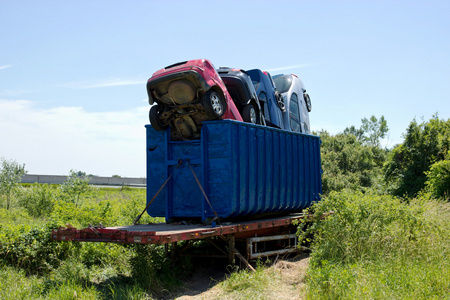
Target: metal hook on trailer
(206, 197)
(156, 195)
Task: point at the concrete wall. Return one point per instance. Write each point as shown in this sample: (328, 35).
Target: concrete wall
(97, 180)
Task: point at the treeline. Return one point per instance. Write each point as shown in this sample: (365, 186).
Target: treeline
(355, 160)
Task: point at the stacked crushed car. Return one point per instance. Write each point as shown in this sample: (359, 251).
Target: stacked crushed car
(203, 165)
(185, 94)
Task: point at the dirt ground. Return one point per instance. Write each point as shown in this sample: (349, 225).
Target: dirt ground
(287, 284)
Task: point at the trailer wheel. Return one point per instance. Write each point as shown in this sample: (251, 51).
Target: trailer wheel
(214, 104)
(154, 116)
(249, 114)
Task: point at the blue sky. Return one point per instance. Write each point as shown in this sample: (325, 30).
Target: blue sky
(73, 73)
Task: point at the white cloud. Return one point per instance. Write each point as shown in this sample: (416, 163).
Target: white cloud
(289, 68)
(5, 67)
(55, 140)
(107, 83)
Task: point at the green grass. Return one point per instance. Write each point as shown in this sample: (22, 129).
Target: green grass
(14, 284)
(394, 278)
(245, 284)
(379, 247)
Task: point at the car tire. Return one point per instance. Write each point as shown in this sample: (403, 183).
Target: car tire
(214, 104)
(250, 115)
(280, 102)
(155, 121)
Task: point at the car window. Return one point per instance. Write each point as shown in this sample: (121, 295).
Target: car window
(294, 115)
(265, 108)
(283, 83)
(295, 126)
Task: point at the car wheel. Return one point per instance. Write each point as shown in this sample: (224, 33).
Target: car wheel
(250, 115)
(307, 101)
(214, 104)
(280, 101)
(155, 119)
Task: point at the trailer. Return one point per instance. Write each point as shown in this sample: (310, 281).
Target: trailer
(256, 239)
(241, 188)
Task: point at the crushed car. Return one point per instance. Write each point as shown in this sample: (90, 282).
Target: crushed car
(185, 94)
(242, 91)
(270, 100)
(297, 101)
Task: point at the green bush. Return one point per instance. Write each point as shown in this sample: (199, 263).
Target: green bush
(438, 179)
(376, 246)
(10, 175)
(366, 227)
(77, 183)
(31, 248)
(38, 199)
(65, 213)
(349, 163)
(104, 254)
(115, 208)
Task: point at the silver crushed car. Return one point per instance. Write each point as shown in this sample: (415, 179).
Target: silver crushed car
(297, 101)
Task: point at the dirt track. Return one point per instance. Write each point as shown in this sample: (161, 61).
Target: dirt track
(288, 284)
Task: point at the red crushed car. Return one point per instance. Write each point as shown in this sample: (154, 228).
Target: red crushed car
(186, 94)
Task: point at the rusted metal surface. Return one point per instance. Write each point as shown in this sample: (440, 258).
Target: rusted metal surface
(252, 245)
(242, 259)
(170, 233)
(274, 252)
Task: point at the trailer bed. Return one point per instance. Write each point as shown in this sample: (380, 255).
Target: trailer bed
(162, 233)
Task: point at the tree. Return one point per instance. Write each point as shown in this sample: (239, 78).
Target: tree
(10, 175)
(349, 163)
(359, 133)
(76, 184)
(438, 179)
(425, 144)
(371, 131)
(354, 159)
(374, 130)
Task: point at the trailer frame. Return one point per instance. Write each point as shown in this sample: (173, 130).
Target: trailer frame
(248, 232)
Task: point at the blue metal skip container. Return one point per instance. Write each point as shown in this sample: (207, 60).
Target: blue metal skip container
(245, 170)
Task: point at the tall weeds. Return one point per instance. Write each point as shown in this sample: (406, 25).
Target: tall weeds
(376, 246)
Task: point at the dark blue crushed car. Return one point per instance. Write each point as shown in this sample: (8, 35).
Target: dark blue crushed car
(242, 91)
(270, 100)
